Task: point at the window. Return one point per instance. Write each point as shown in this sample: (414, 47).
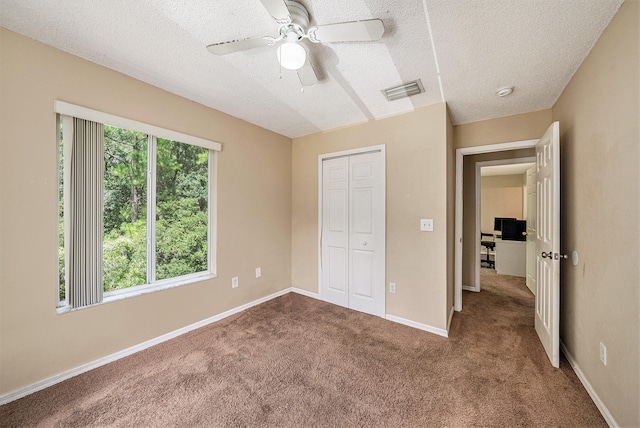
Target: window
(136, 209)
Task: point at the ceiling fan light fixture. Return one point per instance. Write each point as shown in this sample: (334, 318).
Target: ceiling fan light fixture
(403, 91)
(291, 55)
(293, 22)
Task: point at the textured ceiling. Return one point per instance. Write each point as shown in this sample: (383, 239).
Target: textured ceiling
(463, 50)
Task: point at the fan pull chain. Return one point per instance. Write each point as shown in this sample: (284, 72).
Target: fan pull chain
(301, 85)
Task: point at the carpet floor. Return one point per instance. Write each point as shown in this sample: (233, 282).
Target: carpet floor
(295, 361)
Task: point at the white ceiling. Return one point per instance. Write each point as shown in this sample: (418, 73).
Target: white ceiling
(463, 50)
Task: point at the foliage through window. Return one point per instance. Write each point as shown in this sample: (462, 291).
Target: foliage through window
(156, 210)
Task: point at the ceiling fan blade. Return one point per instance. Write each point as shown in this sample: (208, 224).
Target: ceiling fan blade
(307, 75)
(359, 31)
(232, 46)
(278, 10)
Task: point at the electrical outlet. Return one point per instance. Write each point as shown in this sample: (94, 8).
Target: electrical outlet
(392, 287)
(234, 282)
(426, 224)
(258, 272)
(603, 353)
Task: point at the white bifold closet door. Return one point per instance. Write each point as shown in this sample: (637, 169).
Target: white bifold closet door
(353, 232)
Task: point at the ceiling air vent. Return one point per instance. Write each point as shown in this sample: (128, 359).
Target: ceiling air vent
(404, 90)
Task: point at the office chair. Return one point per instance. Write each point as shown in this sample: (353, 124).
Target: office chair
(490, 246)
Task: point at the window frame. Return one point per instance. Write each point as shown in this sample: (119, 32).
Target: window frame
(64, 113)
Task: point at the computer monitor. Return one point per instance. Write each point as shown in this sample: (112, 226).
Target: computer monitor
(497, 222)
(513, 230)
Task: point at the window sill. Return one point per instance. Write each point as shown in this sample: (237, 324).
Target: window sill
(113, 296)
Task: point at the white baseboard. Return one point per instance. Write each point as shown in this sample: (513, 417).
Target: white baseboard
(608, 417)
(393, 318)
(305, 293)
(419, 326)
(45, 383)
(414, 324)
(449, 320)
(469, 288)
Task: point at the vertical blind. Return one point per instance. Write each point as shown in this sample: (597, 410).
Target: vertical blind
(86, 206)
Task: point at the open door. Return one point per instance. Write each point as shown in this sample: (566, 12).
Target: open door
(547, 320)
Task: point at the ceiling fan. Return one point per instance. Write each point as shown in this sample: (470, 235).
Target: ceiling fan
(293, 19)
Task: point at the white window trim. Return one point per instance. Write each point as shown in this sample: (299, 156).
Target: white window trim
(152, 150)
(139, 290)
(213, 213)
(66, 112)
(65, 204)
(80, 112)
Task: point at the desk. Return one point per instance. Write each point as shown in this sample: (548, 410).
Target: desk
(511, 258)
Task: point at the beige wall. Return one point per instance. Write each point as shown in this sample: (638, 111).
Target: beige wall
(254, 176)
(600, 151)
(518, 127)
(416, 188)
(500, 196)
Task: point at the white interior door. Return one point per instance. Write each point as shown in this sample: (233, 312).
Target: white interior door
(335, 231)
(353, 232)
(547, 321)
(531, 228)
(366, 237)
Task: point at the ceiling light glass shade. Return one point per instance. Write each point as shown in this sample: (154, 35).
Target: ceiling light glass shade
(291, 56)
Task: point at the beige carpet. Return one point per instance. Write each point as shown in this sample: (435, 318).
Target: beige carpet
(295, 361)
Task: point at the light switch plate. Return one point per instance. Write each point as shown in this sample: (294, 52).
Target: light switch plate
(426, 224)
(258, 272)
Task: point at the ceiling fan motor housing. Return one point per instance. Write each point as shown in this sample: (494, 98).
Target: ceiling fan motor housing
(299, 19)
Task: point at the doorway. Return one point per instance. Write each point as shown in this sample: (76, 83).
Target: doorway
(501, 204)
(352, 211)
(460, 153)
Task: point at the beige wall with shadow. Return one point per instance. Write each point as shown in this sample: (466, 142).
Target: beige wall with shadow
(254, 176)
(600, 151)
